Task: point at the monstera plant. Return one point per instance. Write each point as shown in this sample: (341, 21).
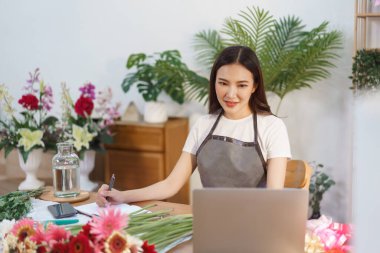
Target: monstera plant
(291, 57)
(159, 72)
(156, 73)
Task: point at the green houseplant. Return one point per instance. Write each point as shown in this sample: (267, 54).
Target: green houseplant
(366, 69)
(156, 73)
(291, 57)
(320, 182)
(159, 72)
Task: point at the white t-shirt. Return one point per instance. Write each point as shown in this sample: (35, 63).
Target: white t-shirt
(273, 136)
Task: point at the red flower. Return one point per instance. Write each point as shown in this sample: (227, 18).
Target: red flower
(84, 106)
(79, 244)
(59, 247)
(29, 101)
(41, 249)
(148, 248)
(86, 230)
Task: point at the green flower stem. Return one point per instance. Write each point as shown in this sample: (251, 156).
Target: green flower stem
(161, 245)
(157, 227)
(168, 231)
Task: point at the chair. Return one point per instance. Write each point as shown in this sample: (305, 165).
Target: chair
(298, 174)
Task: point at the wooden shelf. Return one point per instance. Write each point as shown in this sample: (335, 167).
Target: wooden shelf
(364, 19)
(368, 15)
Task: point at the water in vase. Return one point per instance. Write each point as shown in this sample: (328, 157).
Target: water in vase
(66, 171)
(66, 181)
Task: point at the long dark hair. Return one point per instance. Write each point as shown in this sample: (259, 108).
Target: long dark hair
(247, 58)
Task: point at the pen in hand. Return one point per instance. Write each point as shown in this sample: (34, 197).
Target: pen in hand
(110, 185)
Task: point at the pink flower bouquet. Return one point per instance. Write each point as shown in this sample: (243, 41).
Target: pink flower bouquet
(323, 235)
(105, 233)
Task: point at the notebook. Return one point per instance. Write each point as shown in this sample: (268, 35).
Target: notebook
(249, 220)
(93, 209)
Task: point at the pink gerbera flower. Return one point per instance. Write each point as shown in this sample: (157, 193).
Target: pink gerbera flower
(23, 228)
(39, 235)
(109, 220)
(55, 234)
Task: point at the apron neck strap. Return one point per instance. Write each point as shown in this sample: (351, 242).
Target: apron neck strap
(215, 124)
(255, 126)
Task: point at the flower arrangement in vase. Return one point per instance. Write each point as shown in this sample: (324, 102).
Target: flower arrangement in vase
(31, 130)
(86, 124)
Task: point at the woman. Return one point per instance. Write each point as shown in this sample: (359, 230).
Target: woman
(240, 143)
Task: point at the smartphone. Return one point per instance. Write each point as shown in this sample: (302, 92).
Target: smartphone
(62, 210)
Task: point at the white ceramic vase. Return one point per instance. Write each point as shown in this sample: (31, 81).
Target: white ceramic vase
(86, 166)
(30, 168)
(155, 112)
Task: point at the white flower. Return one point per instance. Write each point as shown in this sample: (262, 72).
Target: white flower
(134, 242)
(82, 137)
(103, 99)
(7, 100)
(10, 241)
(5, 227)
(29, 139)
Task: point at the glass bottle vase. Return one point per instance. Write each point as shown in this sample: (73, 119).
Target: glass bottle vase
(66, 171)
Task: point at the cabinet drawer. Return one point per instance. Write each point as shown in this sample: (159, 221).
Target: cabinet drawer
(134, 169)
(137, 137)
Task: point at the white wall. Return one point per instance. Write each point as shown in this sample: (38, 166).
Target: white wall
(366, 173)
(78, 41)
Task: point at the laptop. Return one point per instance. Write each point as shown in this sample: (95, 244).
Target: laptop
(249, 220)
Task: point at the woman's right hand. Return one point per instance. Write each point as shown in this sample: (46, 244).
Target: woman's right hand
(105, 197)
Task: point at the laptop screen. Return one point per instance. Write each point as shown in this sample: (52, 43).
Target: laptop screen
(249, 220)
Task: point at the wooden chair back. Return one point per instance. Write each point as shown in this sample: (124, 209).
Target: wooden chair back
(298, 174)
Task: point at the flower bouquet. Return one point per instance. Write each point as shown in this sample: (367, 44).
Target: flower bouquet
(86, 124)
(323, 235)
(32, 128)
(112, 232)
(31, 131)
(88, 128)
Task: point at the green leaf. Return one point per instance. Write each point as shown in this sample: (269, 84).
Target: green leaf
(366, 69)
(2, 144)
(16, 205)
(50, 121)
(135, 60)
(6, 126)
(8, 149)
(196, 87)
(106, 138)
(24, 154)
(208, 45)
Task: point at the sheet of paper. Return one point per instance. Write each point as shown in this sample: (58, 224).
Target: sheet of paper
(39, 212)
(93, 208)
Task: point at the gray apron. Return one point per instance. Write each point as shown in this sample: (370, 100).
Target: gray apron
(227, 162)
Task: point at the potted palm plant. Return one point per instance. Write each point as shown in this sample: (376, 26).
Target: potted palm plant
(156, 73)
(291, 57)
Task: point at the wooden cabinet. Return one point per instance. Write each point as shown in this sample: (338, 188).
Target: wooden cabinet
(143, 154)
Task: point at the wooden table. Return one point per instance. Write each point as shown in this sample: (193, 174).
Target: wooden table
(187, 247)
